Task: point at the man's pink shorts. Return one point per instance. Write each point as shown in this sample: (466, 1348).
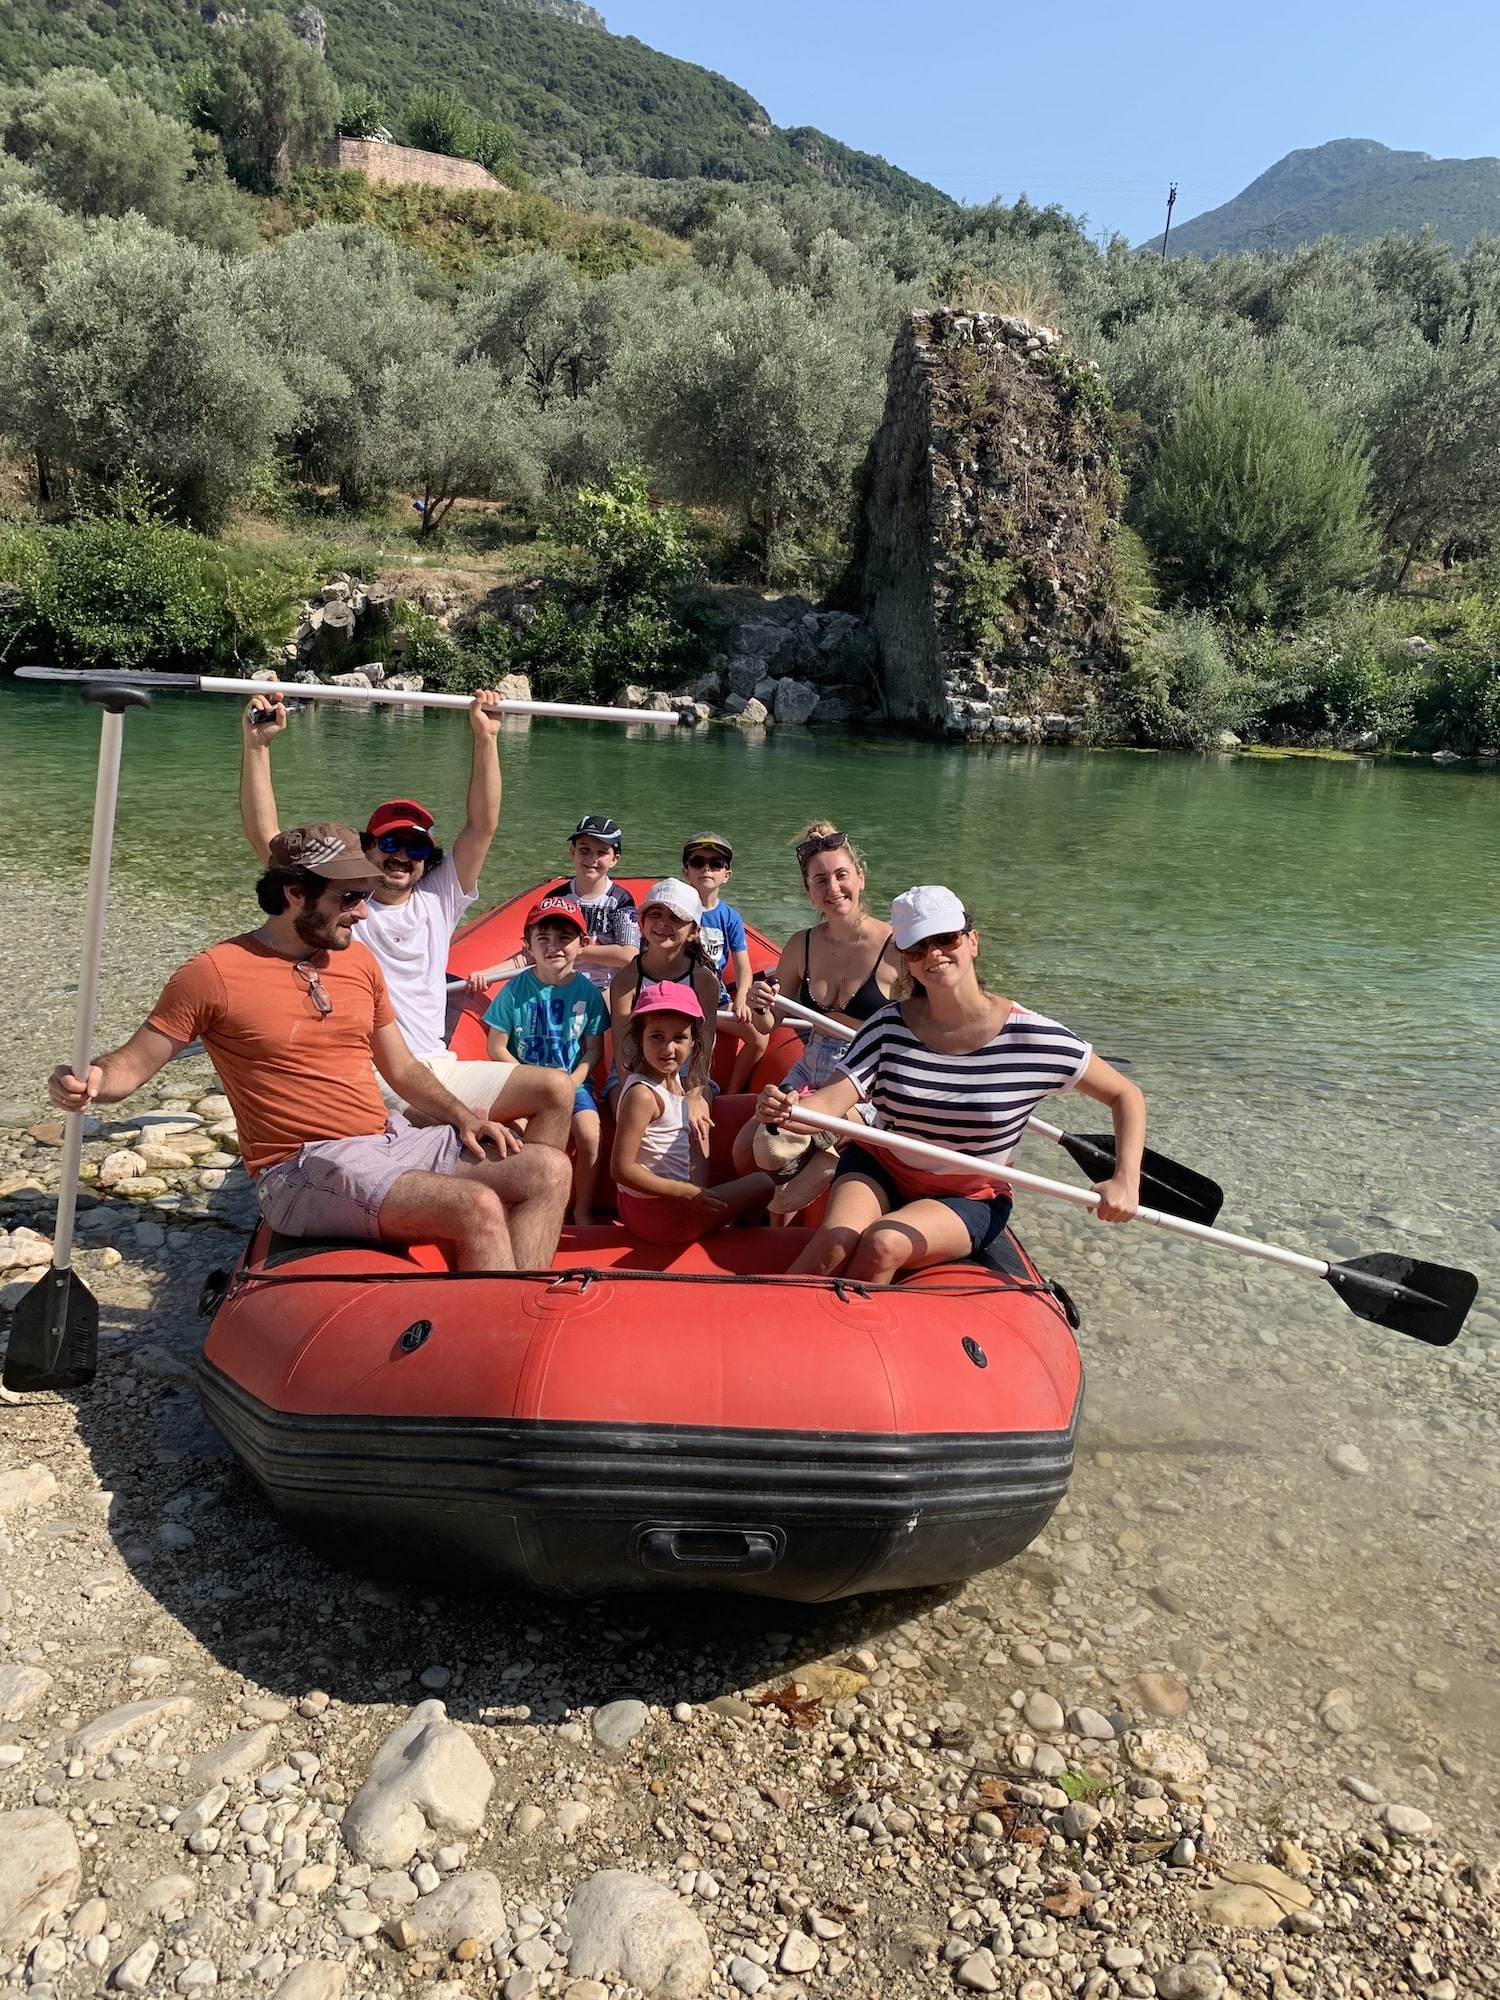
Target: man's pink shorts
(334, 1187)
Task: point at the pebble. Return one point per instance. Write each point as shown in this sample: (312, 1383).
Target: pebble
(619, 1723)
(1348, 1459)
(625, 1927)
(748, 1976)
(427, 1776)
(133, 1973)
(1197, 1980)
(1162, 1694)
(1043, 1711)
(977, 1975)
(1089, 1723)
(799, 1952)
(1409, 1821)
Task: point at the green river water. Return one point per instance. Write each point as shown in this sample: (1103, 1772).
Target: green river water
(1299, 957)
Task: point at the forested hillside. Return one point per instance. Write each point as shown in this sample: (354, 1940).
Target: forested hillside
(217, 359)
(573, 94)
(1353, 188)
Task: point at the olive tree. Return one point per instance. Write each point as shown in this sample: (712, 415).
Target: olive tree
(269, 97)
(138, 364)
(95, 152)
(336, 306)
(446, 431)
(757, 403)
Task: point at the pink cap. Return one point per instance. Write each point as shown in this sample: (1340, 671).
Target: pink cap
(669, 996)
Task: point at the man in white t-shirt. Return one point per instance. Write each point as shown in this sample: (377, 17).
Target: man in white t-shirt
(420, 897)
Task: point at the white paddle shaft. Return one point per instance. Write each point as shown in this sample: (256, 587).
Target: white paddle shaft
(96, 908)
(922, 1154)
(494, 975)
(836, 1030)
(576, 711)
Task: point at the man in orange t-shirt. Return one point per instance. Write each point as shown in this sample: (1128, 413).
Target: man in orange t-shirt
(297, 1020)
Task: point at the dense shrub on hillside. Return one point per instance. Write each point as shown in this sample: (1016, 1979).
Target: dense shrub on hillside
(1348, 675)
(610, 609)
(138, 361)
(270, 98)
(133, 595)
(1182, 690)
(1252, 506)
(95, 152)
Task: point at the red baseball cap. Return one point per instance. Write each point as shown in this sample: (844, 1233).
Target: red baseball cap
(398, 813)
(554, 909)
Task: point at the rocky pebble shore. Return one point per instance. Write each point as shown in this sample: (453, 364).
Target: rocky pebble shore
(1228, 1728)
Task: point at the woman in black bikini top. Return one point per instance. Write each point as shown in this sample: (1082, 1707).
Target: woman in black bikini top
(862, 963)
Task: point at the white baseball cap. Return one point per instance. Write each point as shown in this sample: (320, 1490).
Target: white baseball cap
(681, 898)
(926, 912)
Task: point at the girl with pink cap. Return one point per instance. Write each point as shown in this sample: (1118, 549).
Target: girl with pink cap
(659, 1170)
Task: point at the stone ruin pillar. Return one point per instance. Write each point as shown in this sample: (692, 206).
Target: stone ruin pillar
(991, 500)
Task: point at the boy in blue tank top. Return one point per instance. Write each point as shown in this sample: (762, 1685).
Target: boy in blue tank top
(707, 861)
(551, 1016)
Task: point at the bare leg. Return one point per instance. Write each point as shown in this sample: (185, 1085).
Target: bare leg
(924, 1232)
(544, 1098)
(533, 1184)
(743, 1196)
(462, 1214)
(853, 1205)
(585, 1165)
(754, 1039)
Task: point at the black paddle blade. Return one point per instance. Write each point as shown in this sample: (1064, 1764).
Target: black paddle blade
(1165, 1184)
(1428, 1301)
(54, 1335)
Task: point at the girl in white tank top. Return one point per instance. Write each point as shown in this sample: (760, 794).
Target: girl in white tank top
(662, 1181)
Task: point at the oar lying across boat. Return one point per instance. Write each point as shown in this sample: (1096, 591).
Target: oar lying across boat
(1166, 1184)
(575, 711)
(1427, 1301)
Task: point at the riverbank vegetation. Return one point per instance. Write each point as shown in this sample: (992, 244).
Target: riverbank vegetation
(206, 341)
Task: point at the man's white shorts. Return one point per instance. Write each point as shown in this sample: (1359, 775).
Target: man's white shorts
(477, 1084)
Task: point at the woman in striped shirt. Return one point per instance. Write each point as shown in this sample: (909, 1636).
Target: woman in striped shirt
(959, 1067)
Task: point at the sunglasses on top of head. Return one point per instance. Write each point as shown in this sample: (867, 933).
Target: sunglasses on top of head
(939, 941)
(415, 846)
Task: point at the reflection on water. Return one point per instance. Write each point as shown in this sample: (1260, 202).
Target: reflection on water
(1299, 958)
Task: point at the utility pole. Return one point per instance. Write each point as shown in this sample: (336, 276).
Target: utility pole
(1171, 203)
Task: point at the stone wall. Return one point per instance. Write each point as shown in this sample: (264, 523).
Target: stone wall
(991, 502)
(383, 161)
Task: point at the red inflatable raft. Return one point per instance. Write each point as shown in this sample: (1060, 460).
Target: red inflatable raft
(641, 1417)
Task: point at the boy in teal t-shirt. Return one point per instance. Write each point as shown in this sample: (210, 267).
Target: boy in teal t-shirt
(552, 1016)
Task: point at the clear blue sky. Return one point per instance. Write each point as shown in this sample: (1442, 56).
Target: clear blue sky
(1099, 106)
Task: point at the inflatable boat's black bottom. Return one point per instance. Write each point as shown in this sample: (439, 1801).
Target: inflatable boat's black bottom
(578, 1509)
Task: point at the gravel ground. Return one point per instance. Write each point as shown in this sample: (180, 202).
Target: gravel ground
(1229, 1726)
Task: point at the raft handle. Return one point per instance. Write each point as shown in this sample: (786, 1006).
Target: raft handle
(1064, 1299)
(723, 1551)
(414, 1336)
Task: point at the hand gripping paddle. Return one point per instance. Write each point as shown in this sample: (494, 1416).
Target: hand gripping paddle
(54, 1334)
(1427, 1301)
(1165, 1184)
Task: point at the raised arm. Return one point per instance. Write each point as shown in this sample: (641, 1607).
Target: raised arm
(116, 1075)
(472, 843)
(257, 800)
(1120, 1195)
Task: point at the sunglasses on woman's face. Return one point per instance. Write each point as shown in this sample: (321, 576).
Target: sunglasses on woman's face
(415, 846)
(939, 941)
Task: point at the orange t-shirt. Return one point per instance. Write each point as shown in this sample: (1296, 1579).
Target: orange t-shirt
(292, 1074)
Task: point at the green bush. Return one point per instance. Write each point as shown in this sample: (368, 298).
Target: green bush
(1253, 505)
(1182, 691)
(610, 610)
(1349, 675)
(133, 595)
